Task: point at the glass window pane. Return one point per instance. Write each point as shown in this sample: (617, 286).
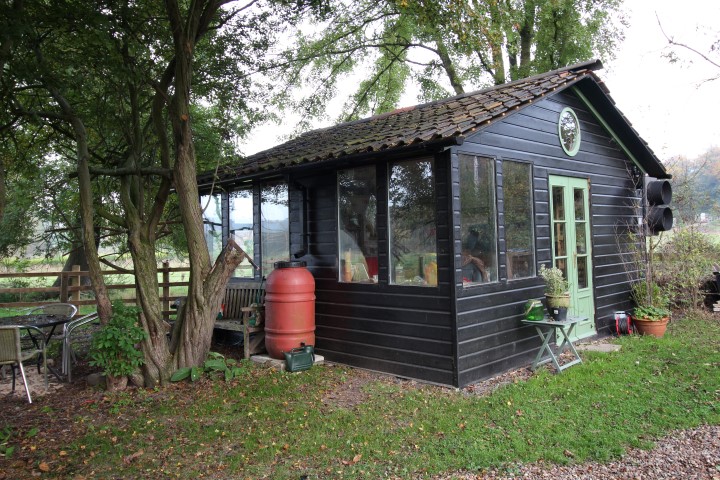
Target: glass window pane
(582, 272)
(560, 239)
(569, 131)
(517, 186)
(212, 222)
(580, 238)
(411, 210)
(579, 198)
(357, 199)
(561, 263)
(274, 225)
(477, 219)
(241, 228)
(558, 203)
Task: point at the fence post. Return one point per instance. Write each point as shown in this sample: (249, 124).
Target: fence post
(75, 282)
(166, 288)
(63, 287)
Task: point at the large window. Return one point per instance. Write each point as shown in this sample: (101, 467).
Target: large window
(477, 219)
(357, 242)
(212, 222)
(274, 225)
(241, 227)
(413, 245)
(517, 189)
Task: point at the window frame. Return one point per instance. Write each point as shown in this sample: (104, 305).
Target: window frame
(496, 164)
(533, 242)
(372, 278)
(391, 263)
(251, 189)
(576, 146)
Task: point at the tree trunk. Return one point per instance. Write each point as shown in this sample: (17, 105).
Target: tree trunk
(448, 65)
(527, 33)
(76, 257)
(159, 364)
(87, 212)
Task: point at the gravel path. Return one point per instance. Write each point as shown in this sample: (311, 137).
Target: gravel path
(683, 455)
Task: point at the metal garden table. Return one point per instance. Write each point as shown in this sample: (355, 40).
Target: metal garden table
(41, 321)
(545, 328)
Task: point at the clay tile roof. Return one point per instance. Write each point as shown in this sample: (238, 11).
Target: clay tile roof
(451, 117)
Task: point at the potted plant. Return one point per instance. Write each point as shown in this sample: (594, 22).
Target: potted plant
(114, 348)
(651, 315)
(557, 293)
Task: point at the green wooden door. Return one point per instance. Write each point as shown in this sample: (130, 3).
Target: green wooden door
(572, 249)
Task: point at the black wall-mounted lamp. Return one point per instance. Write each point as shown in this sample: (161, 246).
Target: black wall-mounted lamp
(637, 177)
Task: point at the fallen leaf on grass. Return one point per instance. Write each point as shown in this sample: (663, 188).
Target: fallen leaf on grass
(130, 458)
(355, 459)
(568, 453)
(44, 467)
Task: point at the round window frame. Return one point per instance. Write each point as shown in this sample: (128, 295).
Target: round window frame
(576, 147)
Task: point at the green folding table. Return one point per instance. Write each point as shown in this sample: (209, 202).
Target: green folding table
(545, 329)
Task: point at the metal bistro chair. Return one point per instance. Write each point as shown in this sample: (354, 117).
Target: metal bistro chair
(68, 355)
(61, 309)
(11, 353)
(66, 310)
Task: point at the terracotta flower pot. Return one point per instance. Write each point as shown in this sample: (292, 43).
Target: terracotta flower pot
(651, 327)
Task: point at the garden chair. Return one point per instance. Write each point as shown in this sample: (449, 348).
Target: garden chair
(11, 353)
(68, 354)
(66, 310)
(61, 309)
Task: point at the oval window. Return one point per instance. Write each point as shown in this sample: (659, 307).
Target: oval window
(569, 131)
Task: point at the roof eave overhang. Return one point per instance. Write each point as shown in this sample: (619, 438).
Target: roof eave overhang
(206, 181)
(603, 107)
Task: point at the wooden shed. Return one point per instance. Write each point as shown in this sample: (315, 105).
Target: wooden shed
(425, 227)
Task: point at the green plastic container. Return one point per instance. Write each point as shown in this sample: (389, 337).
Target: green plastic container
(534, 310)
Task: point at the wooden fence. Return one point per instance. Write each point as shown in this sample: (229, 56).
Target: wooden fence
(70, 287)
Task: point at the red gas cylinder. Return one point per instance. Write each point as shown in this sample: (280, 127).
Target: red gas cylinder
(289, 308)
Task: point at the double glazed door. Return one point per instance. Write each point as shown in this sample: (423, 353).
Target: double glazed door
(571, 246)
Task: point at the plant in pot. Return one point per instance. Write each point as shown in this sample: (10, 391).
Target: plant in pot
(113, 347)
(557, 295)
(651, 315)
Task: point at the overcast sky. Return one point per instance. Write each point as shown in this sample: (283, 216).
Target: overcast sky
(668, 104)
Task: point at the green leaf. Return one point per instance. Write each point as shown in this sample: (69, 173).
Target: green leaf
(215, 364)
(228, 374)
(180, 374)
(195, 373)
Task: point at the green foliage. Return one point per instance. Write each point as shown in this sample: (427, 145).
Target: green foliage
(113, 347)
(6, 450)
(685, 264)
(555, 282)
(649, 294)
(651, 312)
(465, 44)
(216, 363)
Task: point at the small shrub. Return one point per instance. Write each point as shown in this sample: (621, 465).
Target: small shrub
(555, 283)
(215, 364)
(686, 263)
(113, 346)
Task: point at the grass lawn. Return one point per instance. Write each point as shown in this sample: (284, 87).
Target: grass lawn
(320, 424)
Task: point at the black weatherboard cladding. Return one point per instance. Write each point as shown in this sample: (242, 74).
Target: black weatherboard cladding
(404, 330)
(490, 337)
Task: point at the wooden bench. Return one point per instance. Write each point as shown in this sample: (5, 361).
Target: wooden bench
(243, 310)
